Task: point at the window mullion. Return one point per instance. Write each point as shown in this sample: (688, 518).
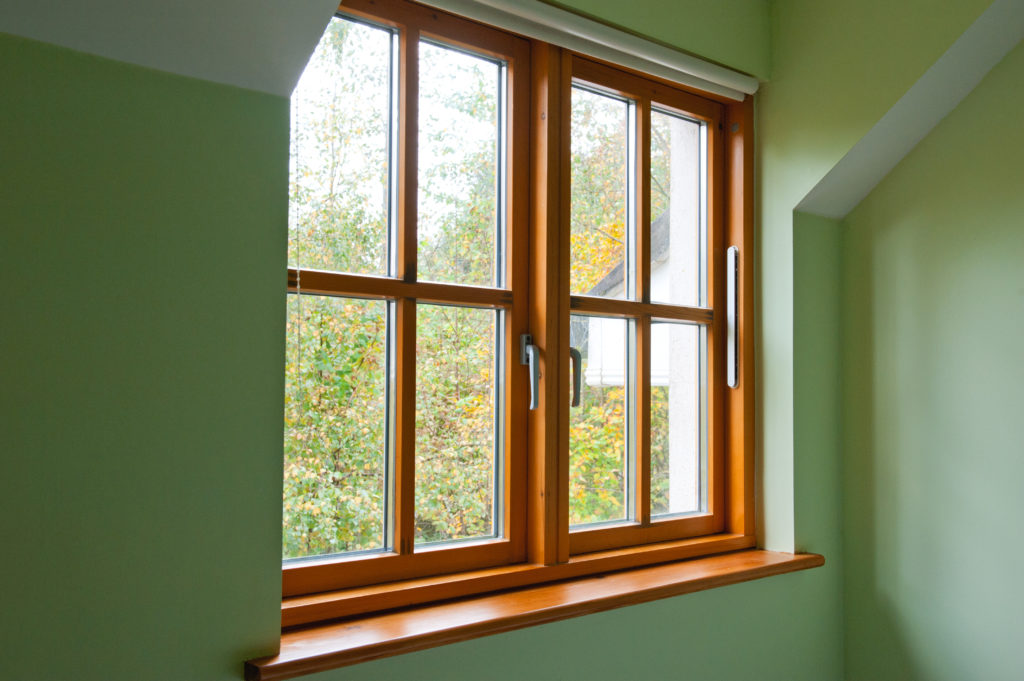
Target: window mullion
(642, 154)
(405, 308)
(405, 425)
(408, 165)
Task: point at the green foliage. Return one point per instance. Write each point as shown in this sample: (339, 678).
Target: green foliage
(334, 426)
(597, 476)
(454, 422)
(598, 198)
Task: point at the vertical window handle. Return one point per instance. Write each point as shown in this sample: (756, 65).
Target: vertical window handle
(529, 355)
(732, 260)
(577, 377)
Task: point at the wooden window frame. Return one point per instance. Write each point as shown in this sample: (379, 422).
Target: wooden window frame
(538, 546)
(406, 561)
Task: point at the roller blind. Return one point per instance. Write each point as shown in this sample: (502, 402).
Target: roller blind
(538, 20)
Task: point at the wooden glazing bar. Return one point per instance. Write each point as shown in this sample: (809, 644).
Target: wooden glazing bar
(643, 420)
(637, 87)
(718, 500)
(405, 425)
(626, 308)
(517, 272)
(643, 201)
(642, 456)
(560, 353)
(600, 538)
(408, 156)
(378, 568)
(359, 286)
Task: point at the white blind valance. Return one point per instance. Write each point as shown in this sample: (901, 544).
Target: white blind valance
(538, 20)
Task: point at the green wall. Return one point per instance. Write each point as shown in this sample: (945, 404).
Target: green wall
(933, 317)
(142, 255)
(837, 67)
(734, 32)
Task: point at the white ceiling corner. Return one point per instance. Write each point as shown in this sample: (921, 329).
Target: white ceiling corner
(260, 45)
(942, 87)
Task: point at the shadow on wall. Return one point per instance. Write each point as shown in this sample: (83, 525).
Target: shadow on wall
(867, 603)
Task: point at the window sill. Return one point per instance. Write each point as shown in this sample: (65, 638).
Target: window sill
(367, 637)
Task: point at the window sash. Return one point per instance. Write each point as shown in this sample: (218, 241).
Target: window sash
(647, 93)
(536, 528)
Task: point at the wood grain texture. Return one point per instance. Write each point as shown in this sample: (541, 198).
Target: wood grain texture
(320, 607)
(537, 545)
(613, 307)
(739, 218)
(637, 86)
(545, 311)
(319, 282)
(329, 646)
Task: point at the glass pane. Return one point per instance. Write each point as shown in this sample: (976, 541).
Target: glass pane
(678, 470)
(599, 434)
(456, 447)
(335, 435)
(339, 198)
(677, 248)
(459, 156)
(600, 219)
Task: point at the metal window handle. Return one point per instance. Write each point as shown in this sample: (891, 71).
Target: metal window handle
(732, 258)
(529, 355)
(577, 377)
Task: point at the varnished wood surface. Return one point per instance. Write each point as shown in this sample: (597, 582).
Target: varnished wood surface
(739, 171)
(320, 282)
(342, 643)
(545, 313)
(320, 607)
(628, 308)
(406, 561)
(636, 86)
(536, 523)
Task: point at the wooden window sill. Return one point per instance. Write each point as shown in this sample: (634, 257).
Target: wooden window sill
(367, 637)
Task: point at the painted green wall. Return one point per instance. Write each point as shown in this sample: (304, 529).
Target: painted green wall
(837, 67)
(933, 316)
(732, 32)
(142, 255)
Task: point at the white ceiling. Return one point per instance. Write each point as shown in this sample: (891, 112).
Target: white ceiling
(997, 31)
(256, 44)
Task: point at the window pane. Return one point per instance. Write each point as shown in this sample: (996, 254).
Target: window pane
(600, 218)
(678, 437)
(456, 447)
(335, 443)
(677, 243)
(460, 140)
(599, 435)
(338, 217)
